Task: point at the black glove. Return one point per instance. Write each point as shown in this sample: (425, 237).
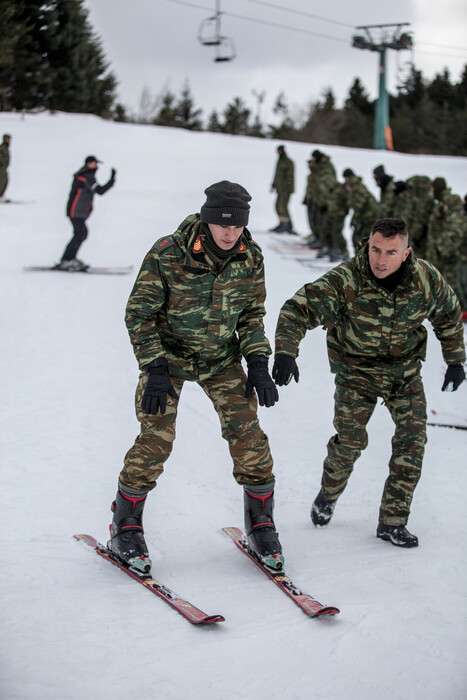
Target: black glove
(453, 378)
(158, 386)
(284, 369)
(113, 172)
(260, 379)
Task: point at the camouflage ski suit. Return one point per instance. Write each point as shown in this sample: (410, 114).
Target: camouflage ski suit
(376, 343)
(202, 319)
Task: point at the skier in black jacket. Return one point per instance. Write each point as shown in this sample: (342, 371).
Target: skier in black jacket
(79, 207)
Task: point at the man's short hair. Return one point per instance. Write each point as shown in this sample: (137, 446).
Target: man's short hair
(389, 228)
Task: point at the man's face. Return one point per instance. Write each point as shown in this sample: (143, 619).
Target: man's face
(225, 236)
(386, 255)
(92, 164)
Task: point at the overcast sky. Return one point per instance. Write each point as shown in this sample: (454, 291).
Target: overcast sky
(300, 50)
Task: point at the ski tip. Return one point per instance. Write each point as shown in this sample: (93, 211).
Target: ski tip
(213, 618)
(327, 611)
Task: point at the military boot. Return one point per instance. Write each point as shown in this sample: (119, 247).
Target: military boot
(322, 510)
(397, 535)
(263, 539)
(126, 531)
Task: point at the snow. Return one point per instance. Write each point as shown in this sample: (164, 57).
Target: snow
(73, 627)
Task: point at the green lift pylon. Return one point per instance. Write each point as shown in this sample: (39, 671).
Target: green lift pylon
(391, 37)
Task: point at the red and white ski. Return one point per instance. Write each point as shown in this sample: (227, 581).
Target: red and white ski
(305, 602)
(182, 606)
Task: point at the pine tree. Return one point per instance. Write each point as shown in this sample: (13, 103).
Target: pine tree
(357, 126)
(286, 128)
(187, 117)
(167, 112)
(236, 117)
(51, 57)
(76, 61)
(213, 122)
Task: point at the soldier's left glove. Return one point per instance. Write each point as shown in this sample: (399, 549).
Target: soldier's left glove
(453, 378)
(260, 379)
(284, 369)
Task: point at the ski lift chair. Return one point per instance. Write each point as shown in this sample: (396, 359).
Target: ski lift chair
(208, 32)
(225, 50)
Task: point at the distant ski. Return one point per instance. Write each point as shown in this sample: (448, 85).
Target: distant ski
(443, 419)
(309, 605)
(182, 606)
(448, 425)
(89, 271)
(17, 201)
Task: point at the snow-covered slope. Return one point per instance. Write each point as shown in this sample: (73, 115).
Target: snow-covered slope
(74, 628)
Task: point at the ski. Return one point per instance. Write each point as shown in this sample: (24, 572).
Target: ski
(17, 201)
(182, 606)
(309, 605)
(88, 271)
(448, 425)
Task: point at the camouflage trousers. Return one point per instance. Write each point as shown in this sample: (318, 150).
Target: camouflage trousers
(355, 400)
(248, 445)
(3, 182)
(282, 205)
(332, 236)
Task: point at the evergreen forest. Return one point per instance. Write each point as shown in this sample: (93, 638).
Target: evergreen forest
(51, 58)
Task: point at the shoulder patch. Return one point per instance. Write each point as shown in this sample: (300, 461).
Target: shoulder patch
(164, 243)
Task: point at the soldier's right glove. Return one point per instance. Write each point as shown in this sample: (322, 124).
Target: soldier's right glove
(260, 379)
(158, 387)
(453, 378)
(284, 369)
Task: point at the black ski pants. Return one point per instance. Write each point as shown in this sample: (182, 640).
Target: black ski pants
(80, 233)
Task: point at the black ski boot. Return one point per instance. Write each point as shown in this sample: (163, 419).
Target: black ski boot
(397, 535)
(126, 532)
(322, 510)
(263, 539)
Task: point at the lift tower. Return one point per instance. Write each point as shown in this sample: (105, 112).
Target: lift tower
(390, 37)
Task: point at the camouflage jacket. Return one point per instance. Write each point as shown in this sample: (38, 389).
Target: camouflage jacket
(446, 231)
(369, 329)
(363, 203)
(4, 156)
(284, 176)
(321, 181)
(338, 201)
(201, 318)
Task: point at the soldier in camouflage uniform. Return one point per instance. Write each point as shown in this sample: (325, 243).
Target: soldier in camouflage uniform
(195, 310)
(422, 204)
(334, 243)
(4, 163)
(461, 282)
(373, 307)
(312, 209)
(445, 237)
(284, 185)
(321, 182)
(363, 204)
(385, 183)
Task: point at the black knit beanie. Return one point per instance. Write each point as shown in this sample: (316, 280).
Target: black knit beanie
(348, 172)
(378, 171)
(316, 155)
(226, 204)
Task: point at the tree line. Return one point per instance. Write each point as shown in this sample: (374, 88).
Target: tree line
(51, 58)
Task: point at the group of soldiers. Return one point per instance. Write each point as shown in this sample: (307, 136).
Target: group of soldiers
(436, 217)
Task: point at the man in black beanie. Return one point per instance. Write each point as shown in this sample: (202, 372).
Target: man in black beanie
(195, 310)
